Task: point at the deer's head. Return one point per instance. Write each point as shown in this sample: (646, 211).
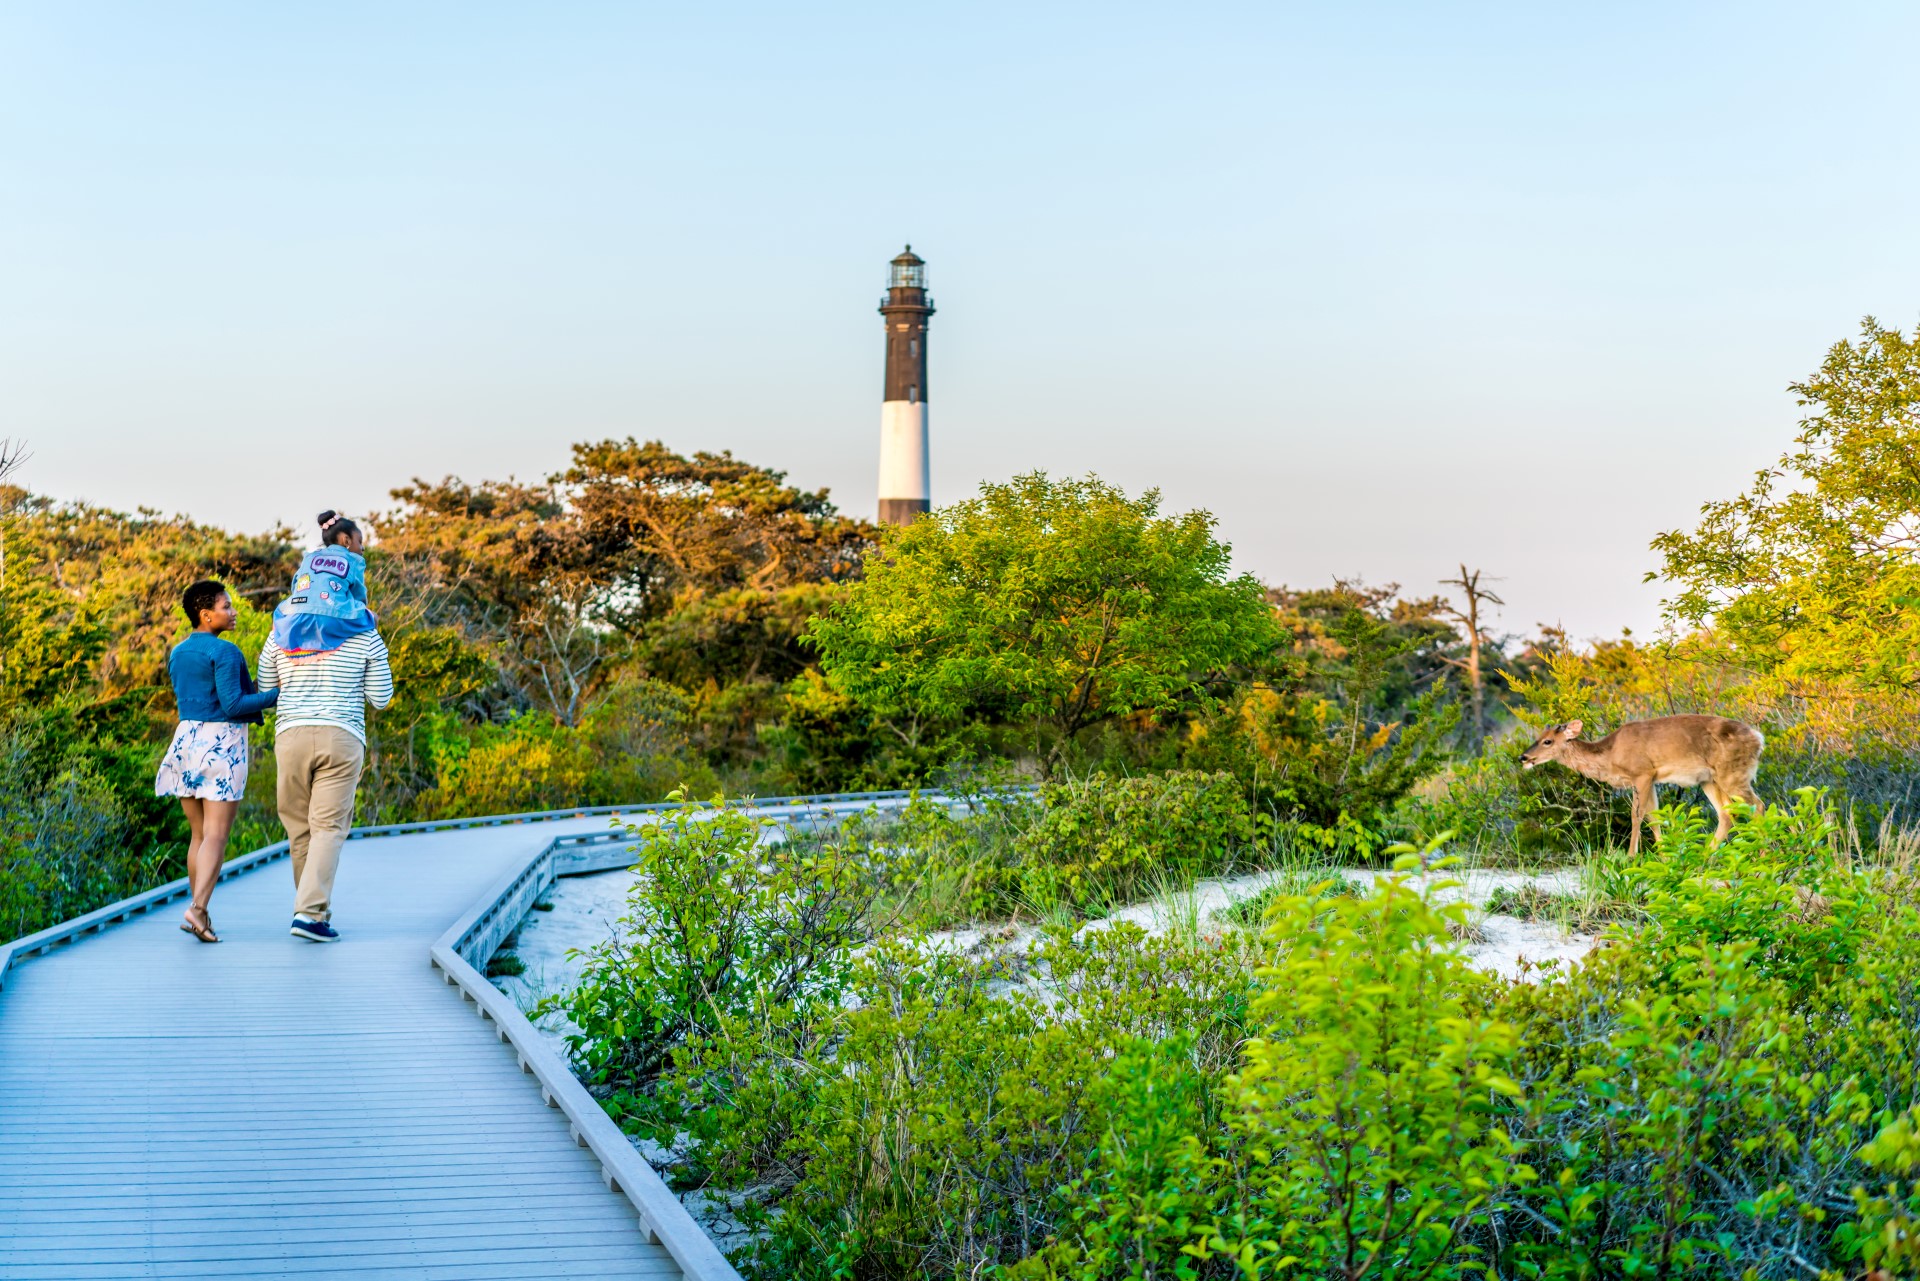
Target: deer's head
(1552, 745)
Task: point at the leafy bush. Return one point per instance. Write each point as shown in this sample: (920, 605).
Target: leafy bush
(720, 924)
(1772, 884)
(1052, 605)
(630, 747)
(1887, 1235)
(1251, 912)
(71, 837)
(929, 1125)
(1332, 749)
(1103, 838)
(1370, 1104)
(1500, 811)
(1059, 850)
(1719, 1091)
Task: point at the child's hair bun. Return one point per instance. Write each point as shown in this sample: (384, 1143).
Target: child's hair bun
(326, 519)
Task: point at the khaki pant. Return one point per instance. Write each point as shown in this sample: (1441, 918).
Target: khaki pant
(319, 766)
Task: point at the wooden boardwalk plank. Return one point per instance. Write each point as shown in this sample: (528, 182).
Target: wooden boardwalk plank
(269, 1107)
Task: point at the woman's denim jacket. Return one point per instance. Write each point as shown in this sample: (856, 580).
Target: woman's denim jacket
(211, 683)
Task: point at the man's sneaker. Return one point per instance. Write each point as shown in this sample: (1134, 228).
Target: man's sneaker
(314, 931)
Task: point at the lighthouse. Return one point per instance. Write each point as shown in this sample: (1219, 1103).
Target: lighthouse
(905, 486)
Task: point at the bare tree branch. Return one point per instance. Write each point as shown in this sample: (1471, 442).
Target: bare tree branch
(13, 453)
(1469, 585)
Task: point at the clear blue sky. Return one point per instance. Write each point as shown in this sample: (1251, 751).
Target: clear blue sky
(1383, 286)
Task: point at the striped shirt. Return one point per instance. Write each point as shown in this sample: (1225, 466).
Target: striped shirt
(330, 688)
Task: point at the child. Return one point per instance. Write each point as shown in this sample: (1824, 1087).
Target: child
(327, 605)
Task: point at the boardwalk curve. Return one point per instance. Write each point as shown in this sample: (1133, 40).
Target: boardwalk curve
(273, 1108)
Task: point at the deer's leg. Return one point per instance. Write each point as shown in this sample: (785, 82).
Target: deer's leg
(1744, 791)
(1642, 810)
(1717, 796)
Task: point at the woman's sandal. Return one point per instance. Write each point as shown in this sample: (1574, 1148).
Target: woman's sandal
(202, 932)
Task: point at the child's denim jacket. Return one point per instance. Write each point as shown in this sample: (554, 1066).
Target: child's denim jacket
(328, 603)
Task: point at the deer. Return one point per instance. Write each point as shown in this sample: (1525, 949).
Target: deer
(1719, 755)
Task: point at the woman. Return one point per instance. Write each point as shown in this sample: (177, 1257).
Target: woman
(206, 764)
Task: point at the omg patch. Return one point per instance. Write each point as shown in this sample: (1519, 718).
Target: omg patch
(325, 563)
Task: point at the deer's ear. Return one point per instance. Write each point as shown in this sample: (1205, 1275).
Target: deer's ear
(1573, 728)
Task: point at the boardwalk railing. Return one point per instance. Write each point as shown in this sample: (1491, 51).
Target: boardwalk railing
(461, 954)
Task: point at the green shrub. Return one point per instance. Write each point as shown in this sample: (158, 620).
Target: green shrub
(1152, 1182)
(1773, 884)
(1370, 1104)
(72, 838)
(1708, 1095)
(1103, 838)
(1334, 745)
(630, 747)
(1251, 912)
(1887, 1233)
(929, 1125)
(1699, 1093)
(1499, 810)
(720, 925)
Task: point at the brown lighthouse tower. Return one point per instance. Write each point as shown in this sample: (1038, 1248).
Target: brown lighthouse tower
(905, 478)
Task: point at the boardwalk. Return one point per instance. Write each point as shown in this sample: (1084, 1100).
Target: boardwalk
(273, 1108)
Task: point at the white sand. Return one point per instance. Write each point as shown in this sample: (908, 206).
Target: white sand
(587, 910)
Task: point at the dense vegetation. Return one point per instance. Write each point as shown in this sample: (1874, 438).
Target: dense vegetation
(1728, 1089)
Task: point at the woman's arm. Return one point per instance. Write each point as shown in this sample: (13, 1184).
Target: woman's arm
(230, 686)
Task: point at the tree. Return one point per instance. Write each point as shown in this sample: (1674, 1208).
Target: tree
(1055, 604)
(1342, 720)
(12, 455)
(1815, 570)
(517, 575)
(90, 605)
(563, 581)
(1469, 585)
(669, 526)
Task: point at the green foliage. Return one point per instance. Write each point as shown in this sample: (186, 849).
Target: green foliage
(1699, 1093)
(1701, 1098)
(1812, 572)
(1683, 1083)
(1370, 1103)
(1102, 839)
(1059, 851)
(90, 601)
(1339, 744)
(70, 840)
(926, 1126)
(1887, 1234)
(827, 740)
(719, 925)
(1056, 605)
(1499, 810)
(1773, 885)
(1251, 912)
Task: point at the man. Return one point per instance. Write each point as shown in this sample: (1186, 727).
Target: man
(320, 746)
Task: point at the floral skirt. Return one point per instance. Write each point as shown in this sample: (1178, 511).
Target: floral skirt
(206, 760)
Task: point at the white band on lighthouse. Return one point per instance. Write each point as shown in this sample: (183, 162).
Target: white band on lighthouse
(904, 470)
